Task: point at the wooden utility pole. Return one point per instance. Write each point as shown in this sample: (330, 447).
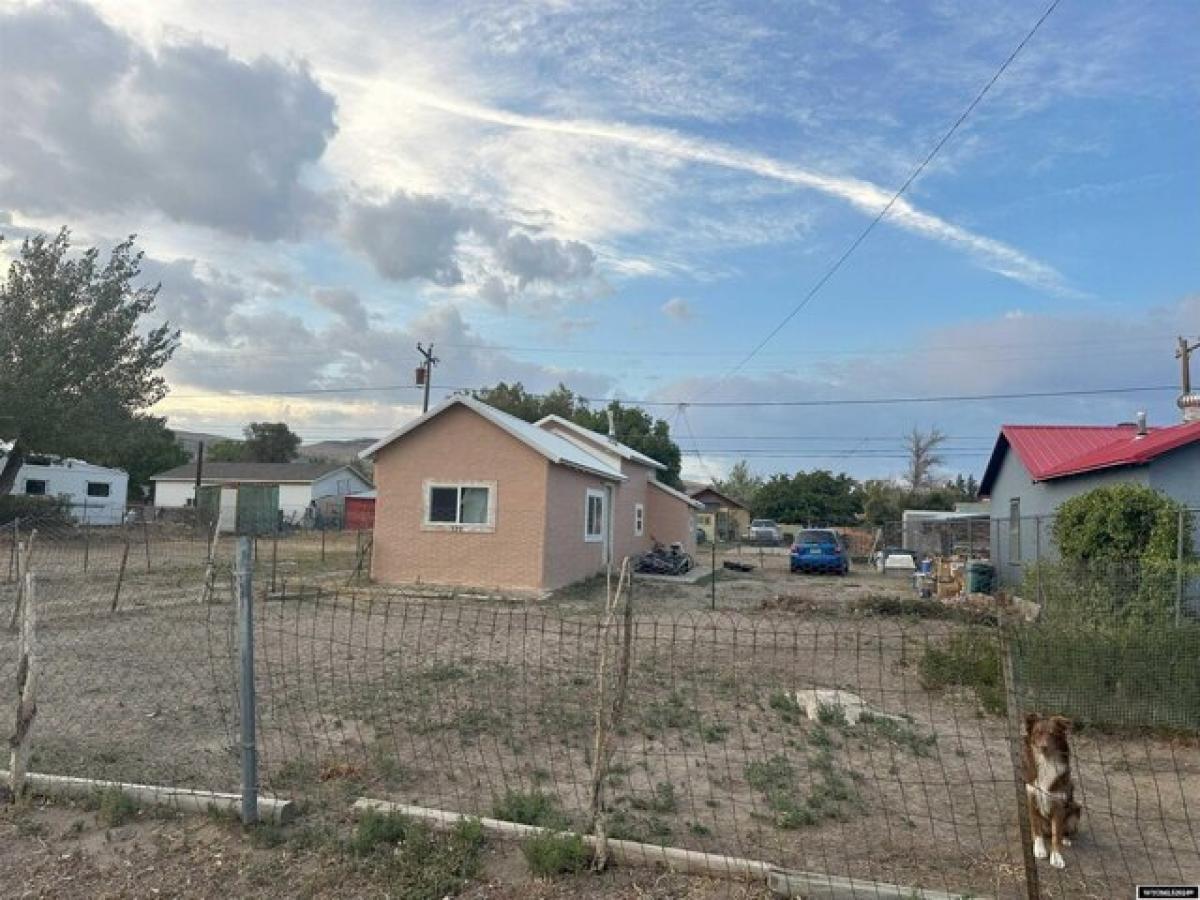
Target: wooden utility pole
(199, 473)
(425, 373)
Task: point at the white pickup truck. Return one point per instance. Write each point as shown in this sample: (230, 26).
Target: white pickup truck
(765, 531)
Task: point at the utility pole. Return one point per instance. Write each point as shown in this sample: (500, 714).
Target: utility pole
(199, 472)
(425, 373)
(1184, 355)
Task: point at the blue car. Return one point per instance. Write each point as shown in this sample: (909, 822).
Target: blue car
(820, 550)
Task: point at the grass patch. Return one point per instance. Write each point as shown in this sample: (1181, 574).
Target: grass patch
(787, 707)
(375, 829)
(831, 714)
(832, 795)
(662, 800)
(968, 659)
(419, 863)
(673, 713)
(114, 808)
(530, 808)
(556, 854)
(902, 733)
(918, 608)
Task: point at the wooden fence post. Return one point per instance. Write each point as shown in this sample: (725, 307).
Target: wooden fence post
(87, 542)
(22, 568)
(27, 672)
(12, 552)
(146, 538)
(274, 559)
(207, 590)
(120, 576)
(609, 713)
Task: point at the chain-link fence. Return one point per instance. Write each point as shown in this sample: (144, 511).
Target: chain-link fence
(828, 727)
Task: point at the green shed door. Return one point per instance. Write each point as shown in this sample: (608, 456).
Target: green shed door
(257, 508)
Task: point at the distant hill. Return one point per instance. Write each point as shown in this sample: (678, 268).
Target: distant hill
(190, 440)
(337, 451)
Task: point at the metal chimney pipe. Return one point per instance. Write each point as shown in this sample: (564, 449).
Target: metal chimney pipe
(1141, 423)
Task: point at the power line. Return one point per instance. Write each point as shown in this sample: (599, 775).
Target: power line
(846, 401)
(832, 270)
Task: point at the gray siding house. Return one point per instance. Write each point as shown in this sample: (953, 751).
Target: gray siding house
(1034, 468)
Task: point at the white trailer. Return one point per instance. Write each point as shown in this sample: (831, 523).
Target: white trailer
(96, 494)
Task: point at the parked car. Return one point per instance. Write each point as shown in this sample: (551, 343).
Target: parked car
(765, 531)
(820, 550)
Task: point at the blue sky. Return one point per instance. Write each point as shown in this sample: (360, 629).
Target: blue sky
(627, 197)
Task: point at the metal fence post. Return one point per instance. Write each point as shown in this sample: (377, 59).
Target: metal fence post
(12, 553)
(1037, 556)
(1179, 543)
(274, 559)
(245, 610)
(322, 544)
(714, 572)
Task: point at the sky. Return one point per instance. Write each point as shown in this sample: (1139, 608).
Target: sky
(629, 198)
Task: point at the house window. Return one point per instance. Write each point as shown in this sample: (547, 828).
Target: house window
(593, 526)
(98, 488)
(343, 486)
(460, 507)
(1014, 530)
(639, 519)
(35, 487)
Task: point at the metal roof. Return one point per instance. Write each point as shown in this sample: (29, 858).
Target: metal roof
(555, 448)
(602, 442)
(1059, 451)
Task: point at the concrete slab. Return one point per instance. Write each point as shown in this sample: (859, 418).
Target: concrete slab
(695, 576)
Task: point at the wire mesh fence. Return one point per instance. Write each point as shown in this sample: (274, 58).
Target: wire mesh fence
(840, 727)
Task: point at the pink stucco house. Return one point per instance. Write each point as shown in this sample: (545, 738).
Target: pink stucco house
(469, 495)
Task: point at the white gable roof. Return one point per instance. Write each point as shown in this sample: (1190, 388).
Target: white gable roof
(678, 495)
(602, 442)
(555, 448)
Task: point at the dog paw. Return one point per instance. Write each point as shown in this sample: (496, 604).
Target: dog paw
(1057, 861)
(1039, 847)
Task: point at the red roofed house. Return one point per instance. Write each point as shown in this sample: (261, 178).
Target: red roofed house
(1034, 468)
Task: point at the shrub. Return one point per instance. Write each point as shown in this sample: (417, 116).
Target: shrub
(556, 854)
(115, 808)
(40, 511)
(1119, 522)
(530, 808)
(969, 659)
(375, 829)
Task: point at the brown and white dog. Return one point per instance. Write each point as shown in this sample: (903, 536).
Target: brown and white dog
(1053, 812)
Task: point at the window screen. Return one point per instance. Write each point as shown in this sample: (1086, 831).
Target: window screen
(474, 506)
(35, 487)
(595, 516)
(98, 488)
(639, 519)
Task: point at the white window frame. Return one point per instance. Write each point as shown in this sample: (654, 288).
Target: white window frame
(598, 537)
(639, 519)
(458, 527)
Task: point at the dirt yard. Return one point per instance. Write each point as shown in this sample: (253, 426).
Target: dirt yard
(487, 707)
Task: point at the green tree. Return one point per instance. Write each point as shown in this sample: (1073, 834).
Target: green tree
(79, 361)
(226, 451)
(270, 442)
(143, 449)
(1120, 522)
(741, 484)
(635, 427)
(809, 498)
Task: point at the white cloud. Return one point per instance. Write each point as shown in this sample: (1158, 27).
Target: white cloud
(679, 309)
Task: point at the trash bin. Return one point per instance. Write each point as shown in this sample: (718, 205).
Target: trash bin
(981, 578)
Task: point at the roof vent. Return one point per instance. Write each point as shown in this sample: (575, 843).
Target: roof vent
(612, 426)
(1190, 406)
(1141, 423)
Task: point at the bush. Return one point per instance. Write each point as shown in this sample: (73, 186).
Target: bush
(115, 808)
(968, 659)
(1108, 594)
(1119, 522)
(375, 829)
(39, 511)
(556, 854)
(530, 808)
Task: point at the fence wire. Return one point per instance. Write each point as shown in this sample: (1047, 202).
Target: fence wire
(838, 726)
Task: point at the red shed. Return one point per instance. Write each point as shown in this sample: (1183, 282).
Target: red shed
(360, 512)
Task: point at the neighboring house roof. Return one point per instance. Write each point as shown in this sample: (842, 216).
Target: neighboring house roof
(695, 490)
(678, 495)
(601, 441)
(556, 449)
(1060, 451)
(271, 473)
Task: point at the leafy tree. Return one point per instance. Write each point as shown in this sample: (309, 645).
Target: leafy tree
(78, 359)
(923, 456)
(635, 427)
(226, 451)
(809, 498)
(143, 449)
(742, 484)
(1120, 522)
(270, 442)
